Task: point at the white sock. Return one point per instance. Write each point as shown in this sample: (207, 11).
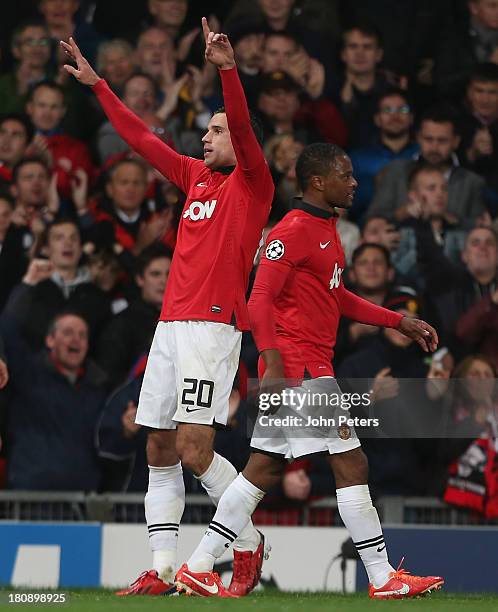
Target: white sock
(216, 480)
(164, 505)
(362, 521)
(234, 511)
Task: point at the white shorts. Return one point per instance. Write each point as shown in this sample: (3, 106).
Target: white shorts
(189, 374)
(293, 432)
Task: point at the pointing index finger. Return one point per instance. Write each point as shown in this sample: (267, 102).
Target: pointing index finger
(205, 28)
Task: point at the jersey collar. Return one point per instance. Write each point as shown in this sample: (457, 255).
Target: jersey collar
(300, 204)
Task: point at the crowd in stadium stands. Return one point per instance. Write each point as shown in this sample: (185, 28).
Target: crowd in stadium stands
(87, 229)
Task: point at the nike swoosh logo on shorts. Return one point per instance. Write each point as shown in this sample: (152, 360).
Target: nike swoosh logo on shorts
(324, 245)
(210, 588)
(402, 591)
(192, 409)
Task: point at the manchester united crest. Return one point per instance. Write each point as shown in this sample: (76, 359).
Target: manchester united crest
(344, 432)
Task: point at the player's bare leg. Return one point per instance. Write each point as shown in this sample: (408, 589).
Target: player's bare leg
(362, 521)
(195, 448)
(164, 505)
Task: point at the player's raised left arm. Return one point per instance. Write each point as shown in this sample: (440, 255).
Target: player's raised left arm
(219, 52)
(358, 309)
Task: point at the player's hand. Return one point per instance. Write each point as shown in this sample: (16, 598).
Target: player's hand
(384, 387)
(38, 270)
(296, 485)
(130, 428)
(4, 374)
(218, 48)
(420, 331)
(84, 73)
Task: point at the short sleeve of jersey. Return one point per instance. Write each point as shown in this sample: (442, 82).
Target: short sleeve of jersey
(285, 246)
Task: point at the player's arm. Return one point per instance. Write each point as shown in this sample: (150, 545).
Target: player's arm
(130, 127)
(269, 282)
(219, 52)
(358, 309)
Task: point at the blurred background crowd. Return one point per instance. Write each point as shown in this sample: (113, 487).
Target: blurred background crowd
(87, 229)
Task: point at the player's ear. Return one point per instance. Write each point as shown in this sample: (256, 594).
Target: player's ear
(317, 183)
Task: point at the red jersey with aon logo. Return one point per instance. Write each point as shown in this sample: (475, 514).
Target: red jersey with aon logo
(299, 295)
(223, 217)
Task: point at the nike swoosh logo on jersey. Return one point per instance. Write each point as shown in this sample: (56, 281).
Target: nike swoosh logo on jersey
(381, 548)
(201, 184)
(402, 591)
(324, 245)
(192, 409)
(210, 588)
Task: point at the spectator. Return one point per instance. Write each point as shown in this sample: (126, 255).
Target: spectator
(394, 119)
(247, 39)
(466, 40)
(140, 94)
(129, 335)
(16, 133)
(438, 140)
(51, 433)
(31, 50)
(349, 234)
(428, 201)
(388, 358)
(478, 149)
(371, 276)
(362, 83)
(282, 112)
(281, 152)
(60, 18)
(46, 108)
(452, 289)
(12, 257)
(169, 16)
(477, 328)
(281, 51)
(464, 468)
(115, 62)
(36, 199)
(55, 284)
(122, 218)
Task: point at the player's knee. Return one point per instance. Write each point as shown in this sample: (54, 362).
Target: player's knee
(350, 468)
(195, 459)
(161, 450)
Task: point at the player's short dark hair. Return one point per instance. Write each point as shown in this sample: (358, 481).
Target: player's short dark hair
(367, 28)
(28, 160)
(156, 250)
(394, 91)
(421, 168)
(52, 85)
(256, 125)
(358, 252)
(316, 159)
(486, 72)
(24, 120)
(441, 113)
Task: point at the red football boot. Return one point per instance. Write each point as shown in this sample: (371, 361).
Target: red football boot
(402, 584)
(205, 584)
(247, 567)
(148, 583)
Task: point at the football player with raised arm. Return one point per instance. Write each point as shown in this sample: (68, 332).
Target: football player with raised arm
(296, 303)
(195, 351)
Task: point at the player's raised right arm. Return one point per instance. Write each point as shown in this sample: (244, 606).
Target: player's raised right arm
(132, 129)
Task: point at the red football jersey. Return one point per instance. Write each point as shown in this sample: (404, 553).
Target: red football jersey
(223, 217)
(299, 296)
